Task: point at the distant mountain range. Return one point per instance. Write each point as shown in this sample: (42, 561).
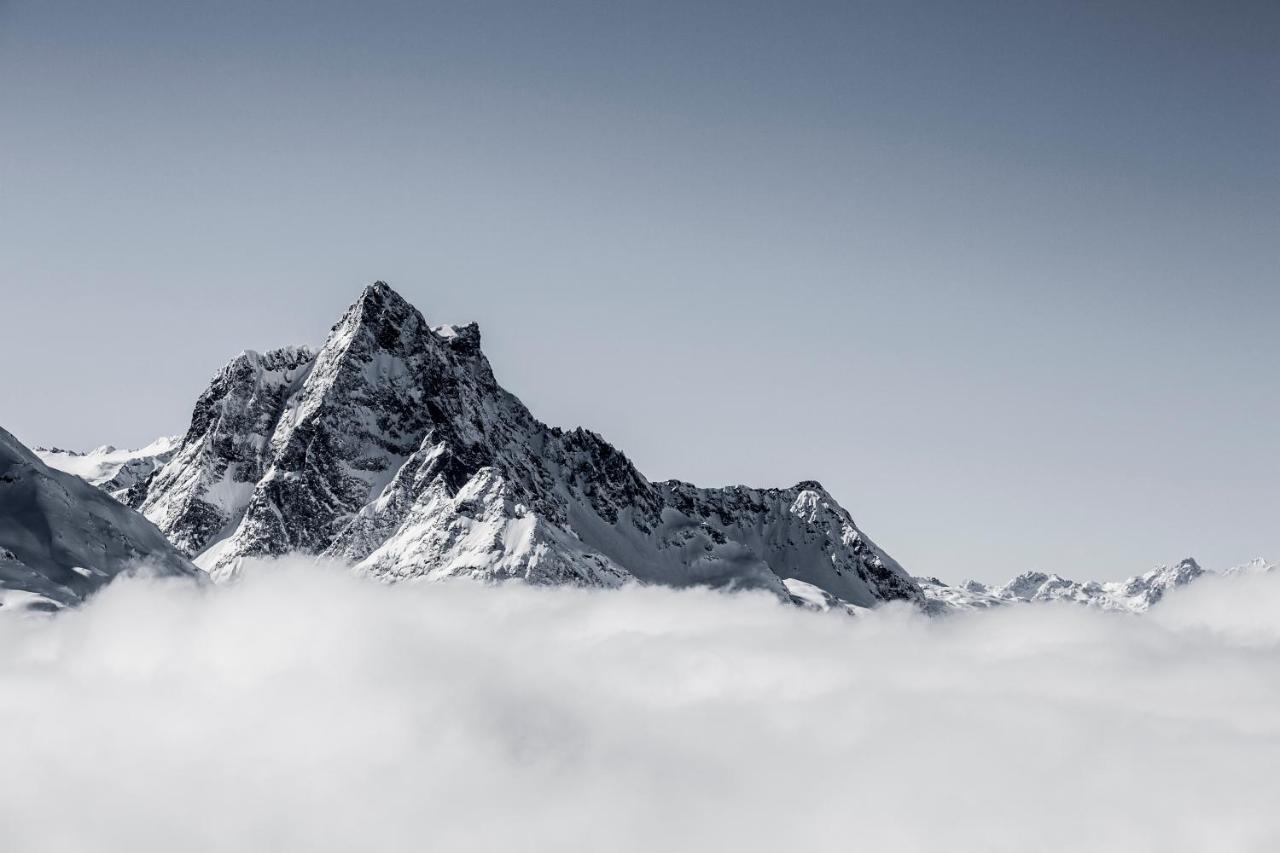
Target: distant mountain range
(110, 469)
(394, 448)
(1135, 595)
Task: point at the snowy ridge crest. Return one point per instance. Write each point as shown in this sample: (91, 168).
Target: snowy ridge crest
(1133, 595)
(110, 469)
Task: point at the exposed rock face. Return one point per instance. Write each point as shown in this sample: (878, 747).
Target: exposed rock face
(61, 538)
(395, 448)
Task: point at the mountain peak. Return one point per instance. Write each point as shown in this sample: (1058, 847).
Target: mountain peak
(384, 315)
(382, 295)
(379, 288)
(397, 449)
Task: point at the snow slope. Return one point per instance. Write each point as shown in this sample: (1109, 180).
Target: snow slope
(110, 469)
(395, 448)
(61, 538)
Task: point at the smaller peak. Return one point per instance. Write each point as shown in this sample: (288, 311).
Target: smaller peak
(1186, 570)
(466, 338)
(1030, 581)
(453, 330)
(103, 450)
(1187, 566)
(1256, 566)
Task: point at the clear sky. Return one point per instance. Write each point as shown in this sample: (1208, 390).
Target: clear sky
(1004, 276)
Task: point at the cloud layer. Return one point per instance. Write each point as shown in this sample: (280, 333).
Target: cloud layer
(304, 709)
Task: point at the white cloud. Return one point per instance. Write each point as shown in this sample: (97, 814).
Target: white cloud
(307, 710)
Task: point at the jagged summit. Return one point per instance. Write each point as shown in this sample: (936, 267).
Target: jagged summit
(380, 290)
(383, 310)
(380, 306)
(395, 448)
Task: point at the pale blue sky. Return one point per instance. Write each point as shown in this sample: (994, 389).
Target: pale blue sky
(1003, 276)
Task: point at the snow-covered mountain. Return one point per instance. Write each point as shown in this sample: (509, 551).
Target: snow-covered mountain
(394, 448)
(941, 597)
(1256, 566)
(1134, 595)
(61, 538)
(110, 469)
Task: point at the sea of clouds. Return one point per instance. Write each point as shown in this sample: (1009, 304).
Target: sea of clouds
(307, 710)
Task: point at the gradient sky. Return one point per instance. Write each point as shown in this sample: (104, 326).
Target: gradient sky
(1005, 277)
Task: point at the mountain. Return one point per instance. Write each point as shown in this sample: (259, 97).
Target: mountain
(394, 448)
(1256, 566)
(61, 538)
(1135, 595)
(112, 470)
